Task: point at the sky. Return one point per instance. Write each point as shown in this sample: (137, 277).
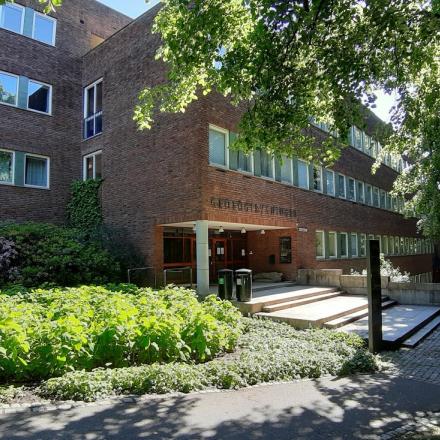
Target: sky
(134, 8)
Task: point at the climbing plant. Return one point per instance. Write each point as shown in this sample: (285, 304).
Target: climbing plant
(84, 209)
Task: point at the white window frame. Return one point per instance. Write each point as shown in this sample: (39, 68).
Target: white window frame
(320, 257)
(26, 155)
(15, 6)
(94, 154)
(95, 115)
(272, 165)
(251, 157)
(376, 189)
(290, 160)
(307, 172)
(16, 91)
(334, 182)
(333, 257)
(49, 113)
(54, 29)
(348, 188)
(321, 174)
(364, 236)
(342, 234)
(355, 235)
(368, 202)
(357, 192)
(4, 150)
(344, 197)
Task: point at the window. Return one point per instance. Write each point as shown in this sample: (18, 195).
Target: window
(36, 171)
(6, 166)
(384, 244)
(92, 166)
(357, 138)
(388, 201)
(363, 245)
(267, 164)
(93, 120)
(402, 246)
(330, 181)
(343, 244)
(368, 195)
(320, 244)
(44, 28)
(341, 186)
(286, 170)
(376, 197)
(351, 189)
(39, 97)
(360, 191)
(382, 199)
(8, 88)
(303, 174)
(390, 245)
(354, 245)
(396, 245)
(12, 17)
(317, 178)
(244, 162)
(285, 249)
(332, 245)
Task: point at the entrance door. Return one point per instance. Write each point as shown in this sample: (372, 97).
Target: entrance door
(218, 247)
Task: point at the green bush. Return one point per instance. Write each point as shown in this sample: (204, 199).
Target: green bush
(266, 352)
(44, 333)
(60, 256)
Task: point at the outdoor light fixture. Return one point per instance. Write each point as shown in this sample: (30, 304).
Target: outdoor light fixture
(243, 230)
(221, 230)
(262, 232)
(194, 227)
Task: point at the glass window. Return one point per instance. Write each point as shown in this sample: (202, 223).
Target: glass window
(351, 190)
(92, 166)
(358, 141)
(11, 17)
(286, 170)
(384, 244)
(93, 116)
(285, 249)
(6, 166)
(303, 174)
(330, 181)
(402, 246)
(320, 244)
(343, 244)
(317, 178)
(368, 195)
(8, 88)
(332, 246)
(267, 163)
(44, 28)
(360, 191)
(396, 245)
(217, 147)
(39, 97)
(388, 201)
(244, 162)
(363, 245)
(390, 245)
(354, 244)
(341, 186)
(36, 171)
(376, 197)
(382, 199)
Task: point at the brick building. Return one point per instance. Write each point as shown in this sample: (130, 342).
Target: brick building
(69, 84)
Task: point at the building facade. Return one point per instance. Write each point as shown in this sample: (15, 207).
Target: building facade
(177, 193)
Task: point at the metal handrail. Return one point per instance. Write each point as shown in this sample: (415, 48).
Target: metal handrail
(129, 271)
(178, 270)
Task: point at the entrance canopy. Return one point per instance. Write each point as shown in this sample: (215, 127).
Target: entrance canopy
(226, 226)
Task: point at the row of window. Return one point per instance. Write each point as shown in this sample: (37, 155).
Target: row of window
(352, 245)
(24, 169)
(298, 173)
(28, 22)
(29, 94)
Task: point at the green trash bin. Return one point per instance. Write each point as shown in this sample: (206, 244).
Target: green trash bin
(243, 283)
(225, 283)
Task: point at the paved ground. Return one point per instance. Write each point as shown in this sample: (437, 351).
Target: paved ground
(361, 407)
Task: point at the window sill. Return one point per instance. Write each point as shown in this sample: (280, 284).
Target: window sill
(47, 188)
(92, 137)
(38, 111)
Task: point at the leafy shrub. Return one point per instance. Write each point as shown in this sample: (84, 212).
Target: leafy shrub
(267, 351)
(387, 270)
(44, 253)
(44, 333)
(8, 254)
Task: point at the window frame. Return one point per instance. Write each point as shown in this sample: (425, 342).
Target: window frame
(307, 174)
(49, 113)
(335, 234)
(12, 182)
(364, 252)
(87, 156)
(317, 168)
(355, 240)
(343, 234)
(358, 199)
(16, 6)
(289, 260)
(333, 180)
(354, 199)
(26, 155)
(54, 29)
(16, 91)
(344, 197)
(272, 165)
(96, 114)
(320, 257)
(288, 160)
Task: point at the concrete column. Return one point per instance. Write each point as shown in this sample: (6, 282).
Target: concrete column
(202, 247)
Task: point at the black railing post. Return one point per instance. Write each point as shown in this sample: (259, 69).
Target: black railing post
(374, 297)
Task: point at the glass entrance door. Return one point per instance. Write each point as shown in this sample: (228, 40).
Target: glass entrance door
(218, 253)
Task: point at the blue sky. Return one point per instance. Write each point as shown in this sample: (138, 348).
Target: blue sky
(134, 8)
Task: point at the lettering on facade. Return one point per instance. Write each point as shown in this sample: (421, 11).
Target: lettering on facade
(256, 208)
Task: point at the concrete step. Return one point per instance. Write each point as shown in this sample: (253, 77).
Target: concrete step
(347, 319)
(417, 337)
(264, 287)
(301, 301)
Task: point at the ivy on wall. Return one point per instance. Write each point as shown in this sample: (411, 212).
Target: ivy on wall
(84, 209)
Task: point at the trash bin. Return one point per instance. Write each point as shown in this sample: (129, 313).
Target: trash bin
(225, 283)
(243, 280)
